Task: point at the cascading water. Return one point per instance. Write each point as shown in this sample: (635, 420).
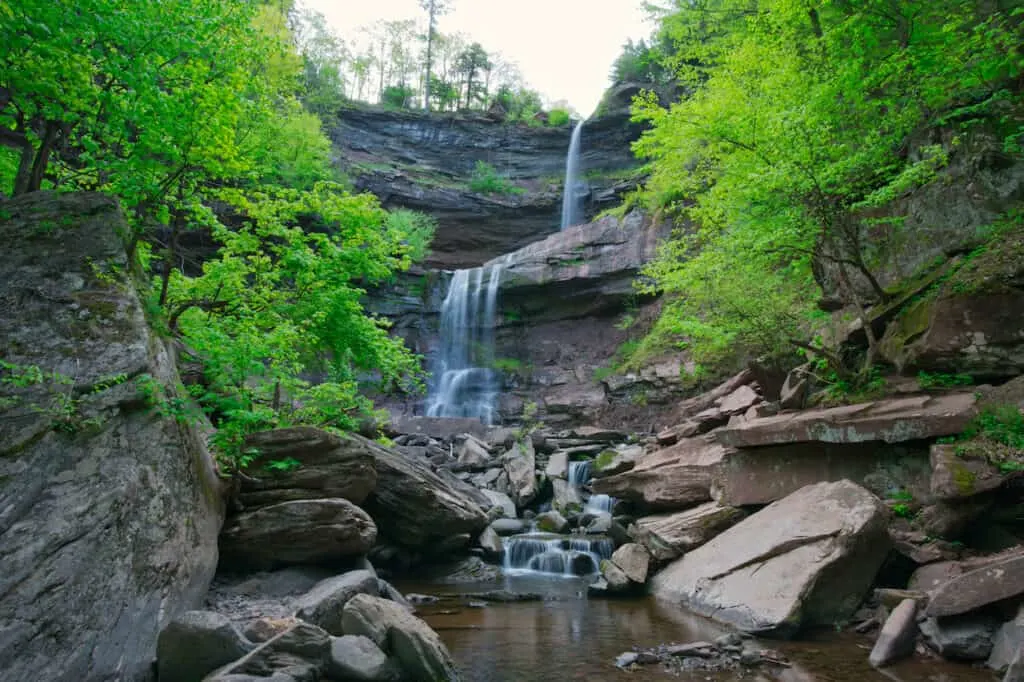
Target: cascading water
(579, 474)
(554, 554)
(574, 190)
(464, 383)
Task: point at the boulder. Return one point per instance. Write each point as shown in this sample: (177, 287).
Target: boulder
(762, 475)
(634, 560)
(675, 477)
(565, 496)
(1015, 673)
(490, 542)
(805, 560)
(520, 465)
(793, 394)
(414, 507)
(668, 536)
(302, 652)
(471, 454)
(297, 532)
(402, 636)
(616, 460)
(898, 635)
(967, 638)
(196, 643)
(501, 501)
(109, 510)
(955, 476)
(329, 466)
(358, 659)
(891, 421)
(322, 606)
(1000, 579)
(551, 522)
(1007, 643)
(558, 465)
(615, 579)
(739, 401)
(507, 526)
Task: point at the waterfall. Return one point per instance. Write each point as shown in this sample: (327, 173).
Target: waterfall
(557, 555)
(463, 382)
(579, 474)
(573, 192)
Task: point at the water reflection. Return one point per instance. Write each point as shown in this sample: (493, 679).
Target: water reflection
(568, 636)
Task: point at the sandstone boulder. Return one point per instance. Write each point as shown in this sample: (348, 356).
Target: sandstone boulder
(616, 460)
(328, 466)
(551, 522)
(891, 421)
(357, 658)
(1007, 643)
(967, 638)
(414, 507)
(898, 635)
(323, 605)
(998, 580)
(520, 464)
(675, 477)
(302, 652)
(667, 536)
(297, 532)
(566, 496)
(109, 511)
(558, 465)
(634, 561)
(401, 635)
(805, 560)
(471, 453)
(955, 476)
(196, 643)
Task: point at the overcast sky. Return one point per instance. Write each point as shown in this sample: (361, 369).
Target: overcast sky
(564, 48)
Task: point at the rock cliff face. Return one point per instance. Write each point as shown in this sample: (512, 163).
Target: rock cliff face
(425, 162)
(109, 512)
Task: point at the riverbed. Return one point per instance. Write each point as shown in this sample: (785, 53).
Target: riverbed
(567, 636)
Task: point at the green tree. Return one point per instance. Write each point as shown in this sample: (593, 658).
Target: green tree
(434, 9)
(469, 64)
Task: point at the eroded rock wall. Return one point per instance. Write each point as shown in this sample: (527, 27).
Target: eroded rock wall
(109, 512)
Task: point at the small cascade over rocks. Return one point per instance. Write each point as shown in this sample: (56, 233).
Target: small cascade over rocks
(579, 473)
(575, 189)
(464, 382)
(556, 554)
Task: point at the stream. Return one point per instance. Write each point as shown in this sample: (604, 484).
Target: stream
(567, 636)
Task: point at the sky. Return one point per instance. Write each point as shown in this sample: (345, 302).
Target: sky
(564, 48)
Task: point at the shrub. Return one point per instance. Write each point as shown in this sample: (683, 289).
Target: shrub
(486, 180)
(558, 117)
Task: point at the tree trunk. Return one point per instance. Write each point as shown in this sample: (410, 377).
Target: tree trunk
(35, 181)
(172, 250)
(430, 45)
(21, 180)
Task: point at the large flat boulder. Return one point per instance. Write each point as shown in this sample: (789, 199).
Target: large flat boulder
(999, 580)
(805, 560)
(762, 475)
(322, 606)
(675, 477)
(520, 466)
(413, 506)
(668, 536)
(890, 421)
(109, 512)
(320, 465)
(297, 532)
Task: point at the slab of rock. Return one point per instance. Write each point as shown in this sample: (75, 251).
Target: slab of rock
(357, 658)
(634, 560)
(302, 651)
(471, 454)
(501, 501)
(558, 465)
(508, 526)
(668, 536)
(329, 466)
(739, 401)
(108, 532)
(297, 532)
(762, 475)
(676, 477)
(1007, 643)
(520, 465)
(967, 638)
(439, 428)
(805, 560)
(615, 579)
(1001, 579)
(414, 507)
(322, 606)
(890, 421)
(955, 476)
(490, 542)
(196, 643)
(418, 650)
(898, 636)
(565, 497)
(616, 460)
